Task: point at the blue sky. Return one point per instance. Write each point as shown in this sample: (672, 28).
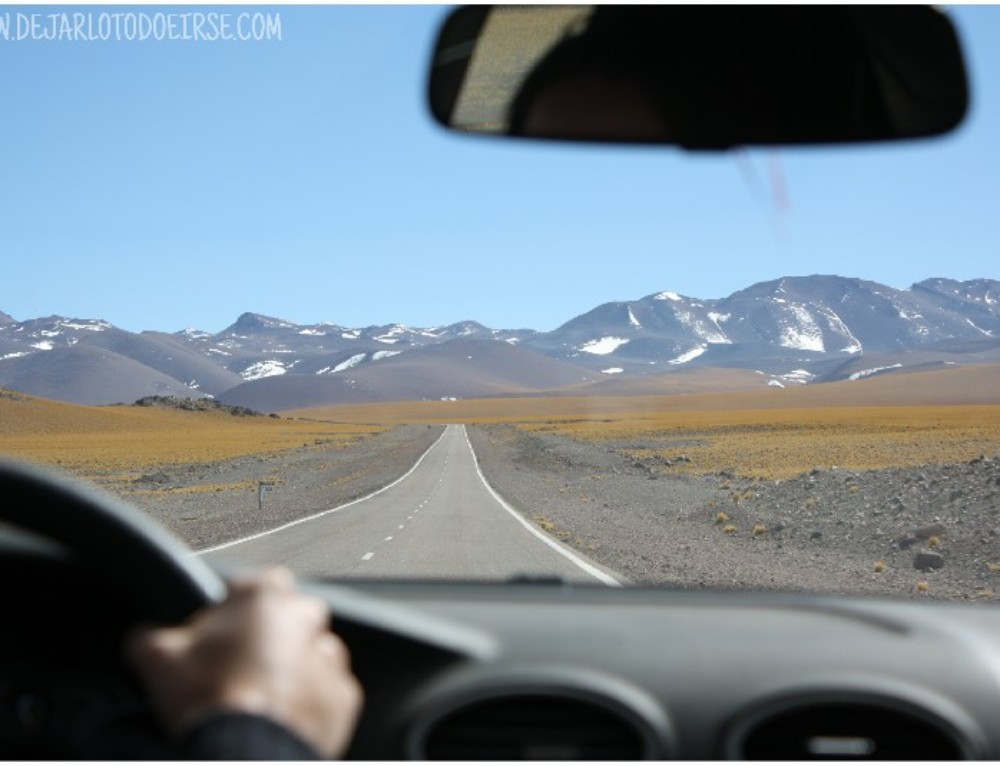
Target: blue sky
(163, 185)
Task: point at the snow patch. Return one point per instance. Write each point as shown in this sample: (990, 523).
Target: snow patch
(837, 325)
(667, 296)
(687, 356)
(603, 345)
(99, 326)
(804, 334)
(384, 355)
(353, 361)
(45, 345)
(980, 329)
(352, 335)
(796, 377)
(775, 383)
(873, 371)
(265, 369)
(612, 370)
(14, 355)
(700, 328)
(310, 331)
(632, 320)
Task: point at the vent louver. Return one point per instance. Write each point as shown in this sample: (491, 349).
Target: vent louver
(849, 731)
(534, 727)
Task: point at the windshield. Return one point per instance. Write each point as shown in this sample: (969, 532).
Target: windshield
(252, 289)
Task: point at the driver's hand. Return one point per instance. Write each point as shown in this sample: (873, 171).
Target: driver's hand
(267, 650)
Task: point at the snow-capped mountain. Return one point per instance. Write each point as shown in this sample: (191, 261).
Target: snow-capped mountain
(793, 331)
(816, 321)
(257, 346)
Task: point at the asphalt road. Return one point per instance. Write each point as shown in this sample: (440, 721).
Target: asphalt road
(439, 521)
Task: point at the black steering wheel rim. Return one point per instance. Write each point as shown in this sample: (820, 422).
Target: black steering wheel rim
(112, 538)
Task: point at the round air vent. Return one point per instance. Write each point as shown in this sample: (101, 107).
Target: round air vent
(848, 730)
(537, 727)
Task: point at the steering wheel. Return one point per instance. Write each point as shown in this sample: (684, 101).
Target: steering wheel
(111, 538)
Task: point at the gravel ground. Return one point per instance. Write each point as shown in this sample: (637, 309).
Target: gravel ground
(929, 532)
(209, 504)
(820, 532)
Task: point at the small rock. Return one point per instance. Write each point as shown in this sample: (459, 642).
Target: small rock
(815, 535)
(926, 560)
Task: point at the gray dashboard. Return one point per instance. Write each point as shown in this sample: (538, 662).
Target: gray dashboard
(466, 671)
(693, 675)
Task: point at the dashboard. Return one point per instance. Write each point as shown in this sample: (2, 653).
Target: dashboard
(543, 670)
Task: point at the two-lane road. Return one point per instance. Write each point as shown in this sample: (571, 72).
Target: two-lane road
(440, 520)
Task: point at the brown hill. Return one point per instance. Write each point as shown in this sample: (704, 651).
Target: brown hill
(85, 374)
(458, 369)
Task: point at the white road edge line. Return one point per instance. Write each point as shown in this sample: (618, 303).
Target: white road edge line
(367, 556)
(588, 568)
(315, 516)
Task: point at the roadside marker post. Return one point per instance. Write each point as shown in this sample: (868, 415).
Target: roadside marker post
(262, 487)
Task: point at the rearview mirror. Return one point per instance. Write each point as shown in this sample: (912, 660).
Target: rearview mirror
(701, 77)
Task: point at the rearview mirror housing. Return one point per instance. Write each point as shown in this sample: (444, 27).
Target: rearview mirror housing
(700, 77)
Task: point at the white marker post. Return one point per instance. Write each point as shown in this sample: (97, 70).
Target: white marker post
(262, 487)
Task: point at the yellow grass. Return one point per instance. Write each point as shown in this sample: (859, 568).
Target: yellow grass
(747, 434)
(935, 417)
(103, 440)
(778, 444)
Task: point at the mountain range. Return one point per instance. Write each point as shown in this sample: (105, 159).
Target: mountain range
(785, 332)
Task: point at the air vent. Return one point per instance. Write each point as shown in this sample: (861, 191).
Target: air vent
(537, 727)
(849, 731)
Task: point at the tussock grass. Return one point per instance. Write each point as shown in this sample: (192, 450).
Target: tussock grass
(546, 524)
(125, 440)
(780, 444)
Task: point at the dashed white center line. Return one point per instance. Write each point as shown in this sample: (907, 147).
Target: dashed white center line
(388, 538)
(401, 526)
(367, 556)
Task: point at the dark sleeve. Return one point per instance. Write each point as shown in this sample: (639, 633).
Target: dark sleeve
(244, 737)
